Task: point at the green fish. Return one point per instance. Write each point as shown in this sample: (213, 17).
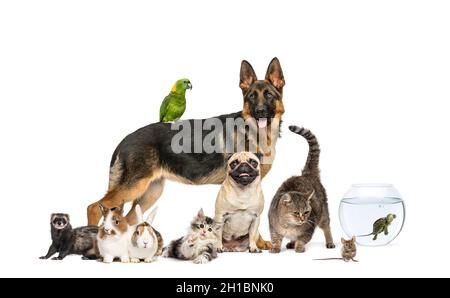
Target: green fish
(174, 104)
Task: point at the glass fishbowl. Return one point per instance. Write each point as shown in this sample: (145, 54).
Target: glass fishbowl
(374, 213)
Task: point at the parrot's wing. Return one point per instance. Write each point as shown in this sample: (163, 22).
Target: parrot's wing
(163, 109)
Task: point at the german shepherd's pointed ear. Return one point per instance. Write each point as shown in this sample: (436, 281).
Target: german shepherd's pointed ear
(247, 77)
(274, 74)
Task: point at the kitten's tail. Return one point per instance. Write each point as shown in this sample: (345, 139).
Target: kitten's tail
(173, 249)
(312, 163)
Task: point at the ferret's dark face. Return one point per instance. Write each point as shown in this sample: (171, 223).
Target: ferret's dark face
(243, 168)
(59, 221)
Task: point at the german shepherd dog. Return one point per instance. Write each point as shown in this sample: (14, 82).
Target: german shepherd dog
(145, 158)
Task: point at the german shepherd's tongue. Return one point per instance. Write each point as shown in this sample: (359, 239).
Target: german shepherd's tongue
(262, 122)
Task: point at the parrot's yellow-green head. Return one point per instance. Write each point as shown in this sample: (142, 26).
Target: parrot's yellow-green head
(180, 86)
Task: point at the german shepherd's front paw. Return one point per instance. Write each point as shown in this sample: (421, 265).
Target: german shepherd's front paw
(262, 244)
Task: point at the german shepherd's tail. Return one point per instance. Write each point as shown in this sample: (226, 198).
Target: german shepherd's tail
(312, 163)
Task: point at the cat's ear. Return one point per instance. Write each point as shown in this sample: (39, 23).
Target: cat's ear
(201, 214)
(311, 195)
(354, 239)
(151, 216)
(342, 240)
(286, 199)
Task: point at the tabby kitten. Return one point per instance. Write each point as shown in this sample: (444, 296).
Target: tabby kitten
(300, 204)
(199, 245)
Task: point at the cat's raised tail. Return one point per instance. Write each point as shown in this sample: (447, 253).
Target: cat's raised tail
(312, 163)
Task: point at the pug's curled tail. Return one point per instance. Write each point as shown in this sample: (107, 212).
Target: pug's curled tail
(312, 163)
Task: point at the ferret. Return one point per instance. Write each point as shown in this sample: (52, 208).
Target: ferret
(67, 241)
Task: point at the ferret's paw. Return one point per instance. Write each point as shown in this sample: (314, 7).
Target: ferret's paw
(330, 245)
(135, 260)
(56, 258)
(43, 258)
(200, 260)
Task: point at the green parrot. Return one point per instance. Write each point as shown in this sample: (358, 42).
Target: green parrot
(174, 104)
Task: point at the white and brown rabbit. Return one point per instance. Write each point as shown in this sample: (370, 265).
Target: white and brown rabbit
(114, 235)
(146, 242)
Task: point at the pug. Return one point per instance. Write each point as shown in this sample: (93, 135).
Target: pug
(239, 204)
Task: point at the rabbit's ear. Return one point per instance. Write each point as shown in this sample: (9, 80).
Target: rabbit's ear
(103, 209)
(151, 216)
(139, 216)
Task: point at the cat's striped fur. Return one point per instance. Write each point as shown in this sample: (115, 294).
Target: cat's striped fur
(301, 204)
(312, 162)
(199, 245)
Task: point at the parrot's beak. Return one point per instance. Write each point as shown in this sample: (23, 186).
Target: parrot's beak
(189, 86)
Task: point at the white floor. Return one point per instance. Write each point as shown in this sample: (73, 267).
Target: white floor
(399, 259)
(369, 78)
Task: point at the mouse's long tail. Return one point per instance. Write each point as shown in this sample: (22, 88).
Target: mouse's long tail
(327, 259)
(312, 163)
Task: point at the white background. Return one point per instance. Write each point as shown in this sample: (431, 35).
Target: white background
(369, 78)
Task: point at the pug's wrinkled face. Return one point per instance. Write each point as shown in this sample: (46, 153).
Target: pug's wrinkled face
(243, 168)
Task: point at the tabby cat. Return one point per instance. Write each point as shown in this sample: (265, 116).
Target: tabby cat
(300, 204)
(199, 245)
